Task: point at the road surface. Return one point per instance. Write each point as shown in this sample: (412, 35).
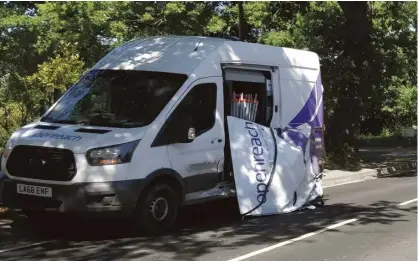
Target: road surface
(374, 220)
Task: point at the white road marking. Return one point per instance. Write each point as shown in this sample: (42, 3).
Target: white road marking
(346, 183)
(408, 202)
(263, 250)
(136, 252)
(5, 222)
(23, 247)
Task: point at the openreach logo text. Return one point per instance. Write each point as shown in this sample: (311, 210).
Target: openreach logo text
(259, 160)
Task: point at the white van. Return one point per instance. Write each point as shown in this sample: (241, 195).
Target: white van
(144, 131)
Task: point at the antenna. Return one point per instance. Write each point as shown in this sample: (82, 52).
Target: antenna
(197, 46)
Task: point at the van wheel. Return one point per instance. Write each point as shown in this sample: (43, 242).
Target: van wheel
(157, 209)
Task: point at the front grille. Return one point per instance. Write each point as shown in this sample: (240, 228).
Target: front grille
(41, 163)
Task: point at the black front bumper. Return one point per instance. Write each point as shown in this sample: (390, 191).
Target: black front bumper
(115, 198)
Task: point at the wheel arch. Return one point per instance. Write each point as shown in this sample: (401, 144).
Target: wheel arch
(168, 176)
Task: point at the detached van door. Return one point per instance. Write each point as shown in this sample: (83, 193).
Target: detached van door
(198, 161)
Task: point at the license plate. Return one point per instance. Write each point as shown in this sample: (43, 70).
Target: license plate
(34, 190)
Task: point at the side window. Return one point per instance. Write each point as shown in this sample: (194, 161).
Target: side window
(197, 110)
(200, 106)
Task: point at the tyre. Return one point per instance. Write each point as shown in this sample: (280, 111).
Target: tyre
(156, 210)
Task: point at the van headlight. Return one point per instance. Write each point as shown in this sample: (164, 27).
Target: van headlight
(112, 155)
(8, 148)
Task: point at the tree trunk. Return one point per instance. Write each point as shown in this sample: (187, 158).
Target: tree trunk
(353, 98)
(241, 22)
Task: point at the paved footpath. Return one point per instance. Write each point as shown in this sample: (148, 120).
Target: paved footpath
(375, 162)
(370, 220)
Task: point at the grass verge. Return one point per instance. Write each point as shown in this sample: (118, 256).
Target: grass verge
(391, 140)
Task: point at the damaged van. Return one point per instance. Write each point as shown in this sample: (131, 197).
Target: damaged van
(149, 129)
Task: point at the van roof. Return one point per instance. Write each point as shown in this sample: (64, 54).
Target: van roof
(181, 54)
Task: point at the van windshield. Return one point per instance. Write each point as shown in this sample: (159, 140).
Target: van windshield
(116, 98)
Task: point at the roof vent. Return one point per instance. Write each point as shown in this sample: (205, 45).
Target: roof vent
(46, 127)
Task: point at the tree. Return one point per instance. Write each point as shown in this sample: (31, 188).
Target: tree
(354, 96)
(395, 36)
(59, 72)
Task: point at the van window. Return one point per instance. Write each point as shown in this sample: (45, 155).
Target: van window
(116, 98)
(200, 105)
(255, 84)
(197, 109)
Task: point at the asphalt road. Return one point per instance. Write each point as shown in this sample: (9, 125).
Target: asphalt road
(361, 221)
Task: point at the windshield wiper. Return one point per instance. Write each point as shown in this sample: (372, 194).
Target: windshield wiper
(65, 121)
(131, 123)
(103, 122)
(117, 124)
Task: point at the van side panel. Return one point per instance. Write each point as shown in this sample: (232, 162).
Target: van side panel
(299, 97)
(319, 120)
(258, 54)
(302, 101)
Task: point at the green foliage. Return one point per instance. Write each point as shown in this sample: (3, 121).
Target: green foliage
(58, 72)
(282, 39)
(387, 139)
(394, 101)
(402, 107)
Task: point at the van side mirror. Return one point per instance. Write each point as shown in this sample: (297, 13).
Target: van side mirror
(186, 135)
(192, 134)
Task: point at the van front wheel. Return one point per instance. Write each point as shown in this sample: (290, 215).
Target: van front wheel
(157, 210)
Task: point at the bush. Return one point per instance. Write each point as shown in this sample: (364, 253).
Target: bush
(347, 159)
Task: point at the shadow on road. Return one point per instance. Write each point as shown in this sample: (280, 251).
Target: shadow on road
(201, 230)
(407, 174)
(380, 158)
(375, 158)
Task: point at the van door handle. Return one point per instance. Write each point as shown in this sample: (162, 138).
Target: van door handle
(216, 140)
